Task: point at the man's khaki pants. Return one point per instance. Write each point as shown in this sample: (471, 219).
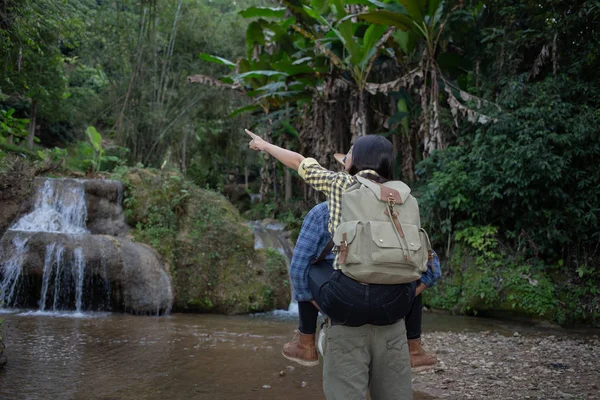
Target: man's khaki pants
(367, 358)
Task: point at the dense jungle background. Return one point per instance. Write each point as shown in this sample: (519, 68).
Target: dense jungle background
(493, 108)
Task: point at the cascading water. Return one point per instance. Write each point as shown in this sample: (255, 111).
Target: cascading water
(71, 247)
(272, 234)
(80, 273)
(47, 272)
(11, 270)
(60, 208)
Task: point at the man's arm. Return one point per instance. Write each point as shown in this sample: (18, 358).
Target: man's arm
(306, 250)
(430, 277)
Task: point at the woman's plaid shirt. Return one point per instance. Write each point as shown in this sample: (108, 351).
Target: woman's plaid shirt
(332, 184)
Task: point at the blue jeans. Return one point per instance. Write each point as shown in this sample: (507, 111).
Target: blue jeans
(351, 303)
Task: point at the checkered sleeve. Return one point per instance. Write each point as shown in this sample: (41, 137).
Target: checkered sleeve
(311, 242)
(431, 276)
(316, 176)
(330, 183)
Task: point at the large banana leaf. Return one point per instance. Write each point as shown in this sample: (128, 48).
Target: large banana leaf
(413, 8)
(389, 18)
(434, 6)
(217, 60)
(257, 74)
(263, 12)
(390, 6)
(250, 108)
(254, 36)
(369, 47)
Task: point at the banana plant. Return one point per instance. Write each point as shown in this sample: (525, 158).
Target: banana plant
(350, 46)
(422, 33)
(420, 26)
(281, 71)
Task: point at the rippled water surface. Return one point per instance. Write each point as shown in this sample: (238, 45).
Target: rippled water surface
(182, 356)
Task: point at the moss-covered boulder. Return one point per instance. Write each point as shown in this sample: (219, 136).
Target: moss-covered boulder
(208, 245)
(494, 284)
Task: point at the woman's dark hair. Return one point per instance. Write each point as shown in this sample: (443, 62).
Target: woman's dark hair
(373, 152)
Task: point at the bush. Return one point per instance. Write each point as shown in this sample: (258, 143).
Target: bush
(533, 176)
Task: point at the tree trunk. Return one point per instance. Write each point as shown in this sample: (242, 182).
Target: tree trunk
(408, 159)
(183, 152)
(360, 116)
(32, 118)
(266, 174)
(326, 129)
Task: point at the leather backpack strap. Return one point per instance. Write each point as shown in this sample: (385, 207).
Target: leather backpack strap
(325, 252)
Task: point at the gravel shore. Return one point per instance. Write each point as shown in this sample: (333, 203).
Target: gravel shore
(491, 366)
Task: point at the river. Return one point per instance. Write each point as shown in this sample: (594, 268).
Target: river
(181, 356)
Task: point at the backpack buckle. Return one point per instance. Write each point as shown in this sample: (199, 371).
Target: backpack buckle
(343, 250)
(391, 200)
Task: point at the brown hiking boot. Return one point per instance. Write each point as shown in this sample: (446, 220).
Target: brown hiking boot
(419, 359)
(302, 350)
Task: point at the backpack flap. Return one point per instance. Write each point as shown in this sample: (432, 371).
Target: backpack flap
(396, 189)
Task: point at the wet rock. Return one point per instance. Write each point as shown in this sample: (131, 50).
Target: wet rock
(139, 280)
(105, 214)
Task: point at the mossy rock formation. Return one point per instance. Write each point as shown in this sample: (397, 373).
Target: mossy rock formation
(16, 178)
(208, 245)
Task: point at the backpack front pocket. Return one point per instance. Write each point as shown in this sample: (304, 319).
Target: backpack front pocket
(346, 235)
(389, 248)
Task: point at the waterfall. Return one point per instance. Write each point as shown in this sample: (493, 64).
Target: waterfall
(57, 278)
(12, 271)
(46, 276)
(79, 274)
(272, 234)
(71, 245)
(60, 207)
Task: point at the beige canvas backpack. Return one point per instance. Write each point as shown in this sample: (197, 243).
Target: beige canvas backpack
(380, 239)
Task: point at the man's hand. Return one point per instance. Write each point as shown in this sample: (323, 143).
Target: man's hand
(314, 303)
(420, 289)
(257, 143)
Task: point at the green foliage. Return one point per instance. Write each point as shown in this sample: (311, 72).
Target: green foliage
(480, 238)
(11, 126)
(96, 141)
(497, 175)
(55, 156)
